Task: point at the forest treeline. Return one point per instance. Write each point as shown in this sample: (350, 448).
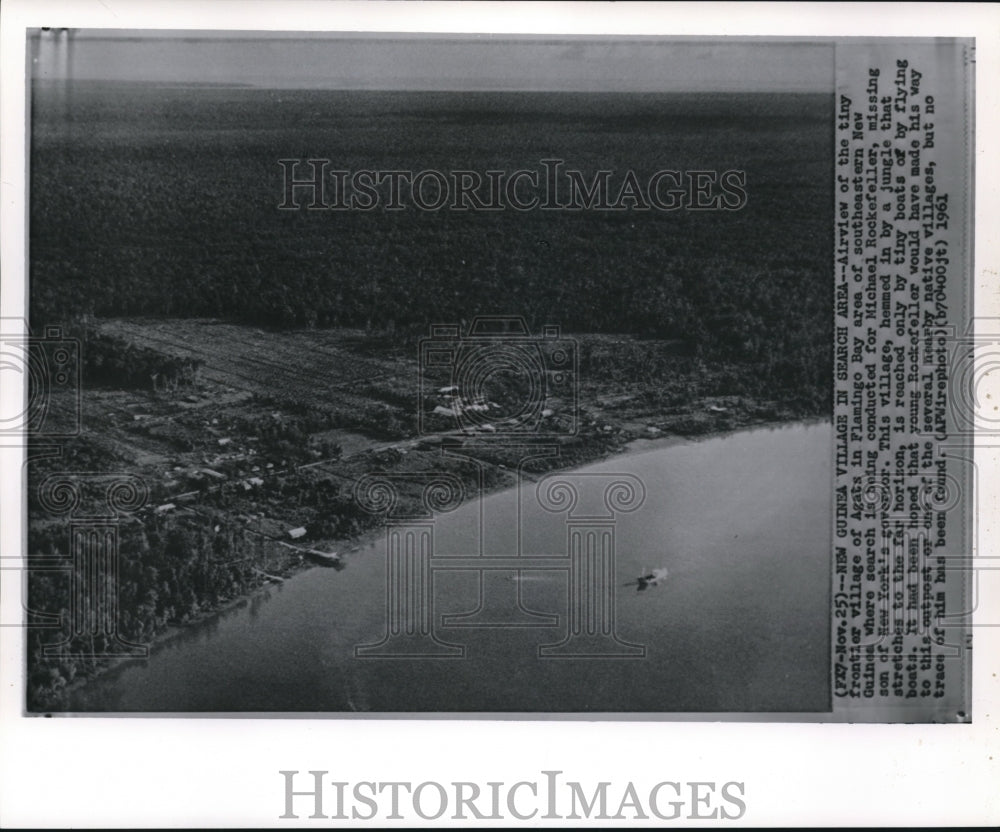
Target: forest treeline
(150, 201)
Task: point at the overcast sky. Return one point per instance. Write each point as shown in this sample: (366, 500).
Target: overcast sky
(434, 63)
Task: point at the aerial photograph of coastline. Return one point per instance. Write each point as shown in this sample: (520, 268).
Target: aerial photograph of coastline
(345, 337)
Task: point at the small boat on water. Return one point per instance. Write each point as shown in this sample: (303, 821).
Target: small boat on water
(654, 578)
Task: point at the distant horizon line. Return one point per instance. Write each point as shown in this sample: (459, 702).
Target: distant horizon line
(246, 85)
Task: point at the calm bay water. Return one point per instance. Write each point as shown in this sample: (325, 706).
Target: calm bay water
(742, 522)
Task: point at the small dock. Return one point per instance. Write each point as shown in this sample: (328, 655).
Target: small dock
(322, 558)
(267, 576)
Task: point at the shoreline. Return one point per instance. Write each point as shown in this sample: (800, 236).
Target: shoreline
(350, 546)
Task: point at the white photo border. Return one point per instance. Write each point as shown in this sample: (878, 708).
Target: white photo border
(217, 771)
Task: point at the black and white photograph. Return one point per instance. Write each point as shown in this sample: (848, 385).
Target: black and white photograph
(387, 382)
(433, 373)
